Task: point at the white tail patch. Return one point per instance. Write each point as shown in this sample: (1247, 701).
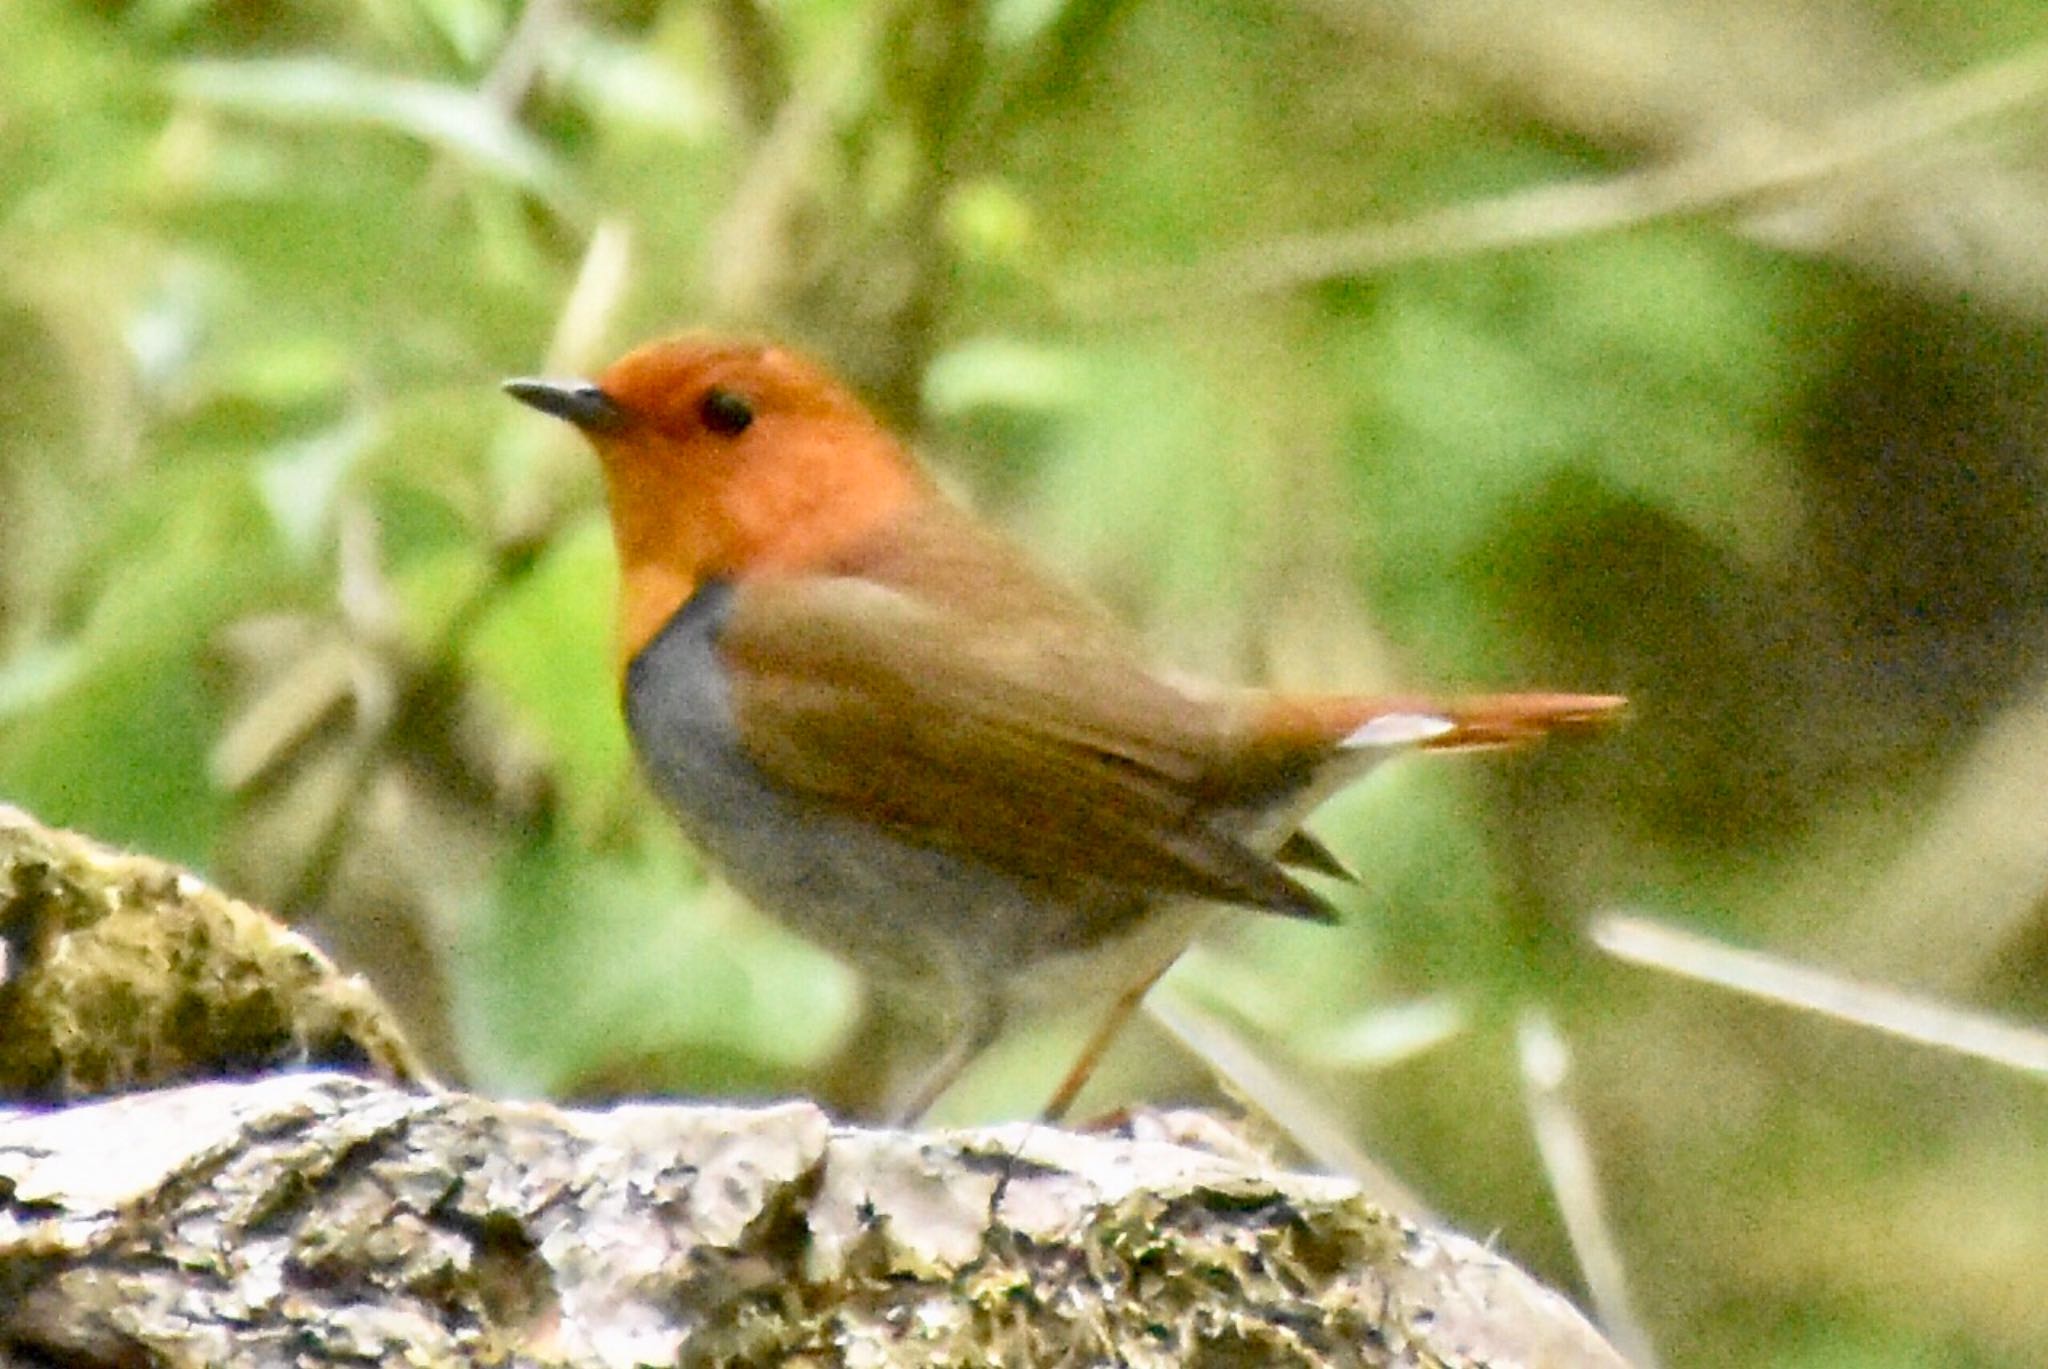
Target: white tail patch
(1398, 729)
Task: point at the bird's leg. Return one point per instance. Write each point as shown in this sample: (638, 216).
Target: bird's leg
(981, 1022)
(1098, 1046)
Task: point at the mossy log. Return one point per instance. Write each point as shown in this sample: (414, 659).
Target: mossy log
(320, 1218)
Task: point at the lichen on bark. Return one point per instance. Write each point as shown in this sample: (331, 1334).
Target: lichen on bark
(120, 972)
(319, 1218)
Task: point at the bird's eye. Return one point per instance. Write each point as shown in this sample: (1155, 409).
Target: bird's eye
(725, 412)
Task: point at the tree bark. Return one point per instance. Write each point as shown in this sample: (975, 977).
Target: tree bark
(326, 1219)
(312, 1218)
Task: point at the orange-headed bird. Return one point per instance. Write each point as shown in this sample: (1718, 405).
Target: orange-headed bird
(888, 727)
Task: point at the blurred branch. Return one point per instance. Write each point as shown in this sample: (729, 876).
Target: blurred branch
(940, 54)
(939, 59)
(505, 86)
(523, 54)
(835, 232)
(372, 778)
(383, 688)
(1250, 1075)
(1759, 974)
(1771, 179)
(1046, 71)
(322, 91)
(1545, 1061)
(391, 690)
(756, 60)
(750, 264)
(536, 462)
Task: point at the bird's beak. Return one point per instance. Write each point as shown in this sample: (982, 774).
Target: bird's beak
(575, 401)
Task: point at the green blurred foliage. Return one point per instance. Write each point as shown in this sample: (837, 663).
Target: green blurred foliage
(288, 591)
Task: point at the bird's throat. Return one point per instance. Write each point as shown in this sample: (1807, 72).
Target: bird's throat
(650, 594)
(673, 534)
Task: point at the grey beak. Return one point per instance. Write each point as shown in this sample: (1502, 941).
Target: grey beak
(573, 401)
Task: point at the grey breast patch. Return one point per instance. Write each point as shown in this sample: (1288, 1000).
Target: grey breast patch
(857, 890)
(678, 703)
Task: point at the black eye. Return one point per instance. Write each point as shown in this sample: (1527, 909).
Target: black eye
(725, 412)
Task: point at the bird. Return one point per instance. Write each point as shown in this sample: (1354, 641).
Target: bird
(887, 726)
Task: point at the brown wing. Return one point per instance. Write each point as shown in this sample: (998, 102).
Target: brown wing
(1054, 756)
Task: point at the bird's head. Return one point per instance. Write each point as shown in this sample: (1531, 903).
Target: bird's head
(726, 460)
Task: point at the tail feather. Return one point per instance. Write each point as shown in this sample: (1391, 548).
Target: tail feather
(1306, 747)
(1303, 851)
(1349, 723)
(1492, 720)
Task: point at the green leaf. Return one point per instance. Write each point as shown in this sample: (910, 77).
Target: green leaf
(318, 90)
(544, 647)
(301, 480)
(577, 964)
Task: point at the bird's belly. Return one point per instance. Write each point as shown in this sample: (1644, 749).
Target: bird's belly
(896, 909)
(893, 909)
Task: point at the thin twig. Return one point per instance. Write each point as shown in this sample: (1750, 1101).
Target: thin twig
(1568, 1162)
(750, 262)
(1250, 1075)
(523, 53)
(1759, 974)
(594, 298)
(540, 464)
(505, 86)
(755, 60)
(1732, 179)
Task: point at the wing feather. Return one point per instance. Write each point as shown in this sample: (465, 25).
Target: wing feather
(1042, 757)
